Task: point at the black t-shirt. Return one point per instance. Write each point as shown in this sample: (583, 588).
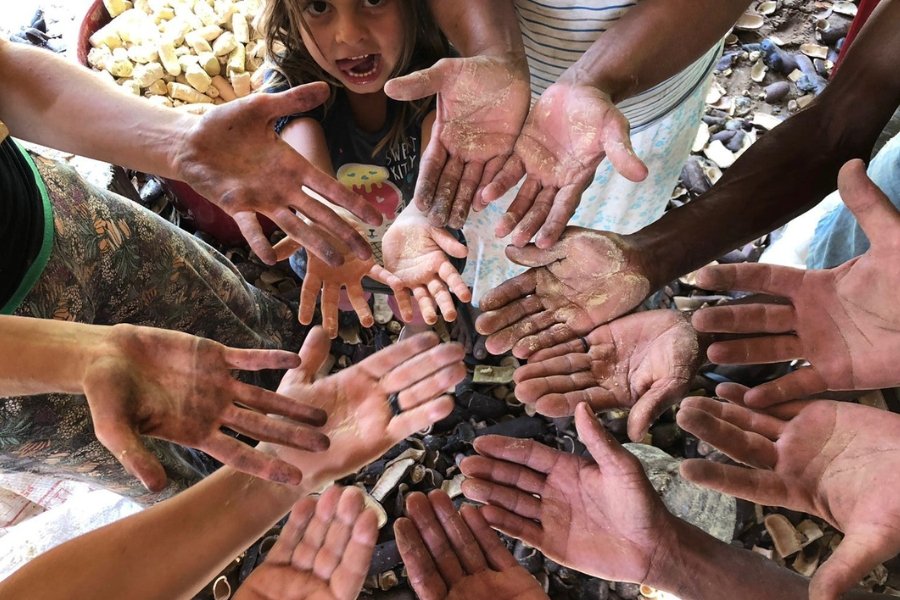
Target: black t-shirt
(21, 219)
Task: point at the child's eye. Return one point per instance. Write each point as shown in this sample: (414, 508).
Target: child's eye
(317, 7)
(371, 3)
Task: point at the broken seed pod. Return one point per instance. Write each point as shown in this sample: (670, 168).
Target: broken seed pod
(749, 22)
(767, 8)
(391, 478)
(785, 537)
(377, 507)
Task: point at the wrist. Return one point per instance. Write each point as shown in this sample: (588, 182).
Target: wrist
(616, 87)
(647, 251)
(177, 156)
(680, 557)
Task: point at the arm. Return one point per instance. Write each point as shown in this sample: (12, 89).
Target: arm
(230, 154)
(480, 28)
(790, 168)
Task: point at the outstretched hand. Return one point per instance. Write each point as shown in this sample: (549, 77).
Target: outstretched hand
(361, 424)
(567, 134)
(602, 518)
(844, 321)
(323, 552)
(584, 280)
(178, 387)
(452, 555)
(417, 254)
(830, 459)
(233, 156)
(481, 105)
(644, 361)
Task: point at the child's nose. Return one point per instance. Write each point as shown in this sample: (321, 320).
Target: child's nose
(351, 29)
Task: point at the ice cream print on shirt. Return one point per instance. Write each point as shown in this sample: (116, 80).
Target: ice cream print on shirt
(374, 184)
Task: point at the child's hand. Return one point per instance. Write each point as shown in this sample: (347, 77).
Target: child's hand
(329, 279)
(417, 253)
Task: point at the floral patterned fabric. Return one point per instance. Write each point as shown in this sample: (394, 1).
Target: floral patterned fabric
(115, 262)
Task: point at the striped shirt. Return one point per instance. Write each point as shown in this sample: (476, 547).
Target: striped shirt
(556, 33)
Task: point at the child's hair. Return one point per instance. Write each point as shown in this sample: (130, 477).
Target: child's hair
(292, 64)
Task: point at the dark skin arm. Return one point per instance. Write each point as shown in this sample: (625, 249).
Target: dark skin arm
(790, 168)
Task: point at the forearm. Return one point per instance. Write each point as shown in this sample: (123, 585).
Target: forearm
(648, 45)
(47, 100)
(476, 27)
(700, 567)
(44, 356)
(168, 551)
(790, 168)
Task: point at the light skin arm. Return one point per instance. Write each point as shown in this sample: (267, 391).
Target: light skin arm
(230, 155)
(791, 167)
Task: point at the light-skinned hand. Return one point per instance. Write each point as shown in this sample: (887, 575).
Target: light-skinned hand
(568, 132)
(643, 362)
(835, 460)
(584, 280)
(323, 552)
(452, 555)
(844, 321)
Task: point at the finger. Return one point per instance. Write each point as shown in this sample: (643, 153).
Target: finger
(759, 350)
(426, 304)
(491, 168)
(530, 378)
(350, 574)
(513, 525)
(533, 455)
(605, 450)
(329, 307)
(268, 429)
(441, 295)
(509, 316)
(876, 215)
(852, 560)
(337, 227)
(751, 277)
(519, 207)
(423, 366)
(310, 237)
(445, 192)
(496, 553)
(381, 363)
(535, 218)
(755, 485)
(423, 573)
(242, 457)
(304, 555)
(454, 281)
(285, 248)
(532, 256)
(350, 507)
(575, 346)
(248, 223)
(309, 295)
(744, 419)
(360, 304)
(503, 473)
(748, 318)
(513, 500)
(802, 383)
(561, 210)
(551, 336)
(292, 533)
(448, 562)
(249, 359)
(313, 353)
(432, 386)
(421, 417)
(275, 404)
(128, 449)
(447, 242)
(419, 84)
(465, 192)
(746, 447)
(661, 396)
(618, 149)
(458, 533)
(507, 292)
(301, 98)
(431, 166)
(512, 172)
(735, 393)
(578, 381)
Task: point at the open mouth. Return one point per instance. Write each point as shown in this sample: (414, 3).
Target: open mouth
(360, 67)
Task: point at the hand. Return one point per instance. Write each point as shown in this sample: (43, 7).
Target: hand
(602, 518)
(643, 361)
(454, 555)
(360, 424)
(568, 132)
(232, 156)
(481, 105)
(178, 387)
(349, 275)
(844, 321)
(417, 253)
(585, 280)
(323, 552)
(830, 459)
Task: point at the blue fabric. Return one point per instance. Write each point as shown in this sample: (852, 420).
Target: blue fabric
(838, 236)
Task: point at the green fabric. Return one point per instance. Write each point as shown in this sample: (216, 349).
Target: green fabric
(40, 261)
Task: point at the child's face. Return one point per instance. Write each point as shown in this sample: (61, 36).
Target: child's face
(359, 42)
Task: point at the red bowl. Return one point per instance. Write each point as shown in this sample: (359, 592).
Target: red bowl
(205, 215)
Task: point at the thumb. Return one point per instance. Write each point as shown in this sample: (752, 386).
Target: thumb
(419, 84)
(449, 244)
(312, 355)
(618, 149)
(605, 450)
(878, 218)
(648, 408)
(532, 256)
(854, 557)
(297, 99)
(128, 449)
